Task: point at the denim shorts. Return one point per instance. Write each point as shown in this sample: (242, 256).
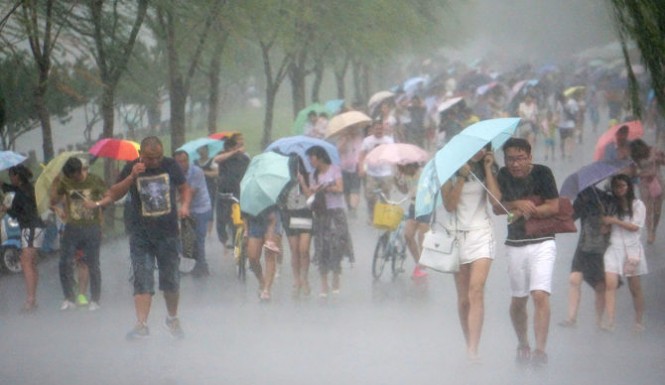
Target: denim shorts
(147, 253)
(258, 226)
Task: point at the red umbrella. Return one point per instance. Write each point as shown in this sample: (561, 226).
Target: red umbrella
(222, 135)
(396, 154)
(119, 149)
(635, 131)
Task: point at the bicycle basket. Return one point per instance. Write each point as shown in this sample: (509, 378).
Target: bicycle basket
(235, 215)
(387, 216)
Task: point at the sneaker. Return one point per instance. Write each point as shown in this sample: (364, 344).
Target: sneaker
(82, 300)
(198, 271)
(173, 326)
(523, 356)
(94, 306)
(418, 272)
(67, 305)
(139, 331)
(538, 359)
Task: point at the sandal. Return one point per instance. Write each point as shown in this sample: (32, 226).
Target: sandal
(29, 307)
(568, 324)
(272, 246)
(523, 356)
(264, 296)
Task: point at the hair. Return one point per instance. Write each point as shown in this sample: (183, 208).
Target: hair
(622, 130)
(230, 143)
(517, 143)
(180, 152)
(151, 141)
(72, 166)
(630, 195)
(639, 150)
(320, 154)
(297, 165)
(22, 172)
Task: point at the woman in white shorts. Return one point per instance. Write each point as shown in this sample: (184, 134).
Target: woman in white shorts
(465, 201)
(625, 255)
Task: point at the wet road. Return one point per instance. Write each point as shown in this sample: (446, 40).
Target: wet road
(387, 332)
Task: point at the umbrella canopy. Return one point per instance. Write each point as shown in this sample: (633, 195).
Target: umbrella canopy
(346, 121)
(222, 135)
(427, 193)
(334, 106)
(10, 158)
(215, 146)
(447, 104)
(570, 91)
(591, 174)
(482, 90)
(300, 144)
(119, 149)
(266, 177)
(45, 179)
(413, 85)
(377, 99)
(396, 154)
(472, 139)
(635, 131)
(301, 118)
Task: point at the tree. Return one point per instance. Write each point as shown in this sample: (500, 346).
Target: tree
(642, 20)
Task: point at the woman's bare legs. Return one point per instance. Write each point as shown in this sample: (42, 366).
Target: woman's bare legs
(470, 284)
(31, 276)
(574, 295)
(611, 284)
(635, 286)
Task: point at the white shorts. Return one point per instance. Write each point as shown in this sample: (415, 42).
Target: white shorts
(530, 267)
(32, 237)
(476, 244)
(615, 258)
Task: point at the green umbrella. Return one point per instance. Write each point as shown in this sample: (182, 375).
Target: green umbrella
(266, 177)
(301, 118)
(50, 171)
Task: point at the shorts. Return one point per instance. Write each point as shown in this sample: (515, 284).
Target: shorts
(257, 226)
(476, 244)
(615, 258)
(144, 252)
(32, 237)
(411, 214)
(590, 265)
(351, 182)
(565, 133)
(530, 267)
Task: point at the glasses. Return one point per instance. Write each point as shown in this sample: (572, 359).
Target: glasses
(516, 159)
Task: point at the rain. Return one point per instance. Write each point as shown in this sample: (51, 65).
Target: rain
(395, 329)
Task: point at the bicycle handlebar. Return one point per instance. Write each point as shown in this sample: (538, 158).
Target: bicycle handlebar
(228, 196)
(384, 198)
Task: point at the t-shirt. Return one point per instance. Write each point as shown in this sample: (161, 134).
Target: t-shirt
(153, 206)
(539, 182)
(92, 188)
(587, 207)
(231, 172)
(24, 206)
(333, 200)
(200, 198)
(349, 153)
(370, 143)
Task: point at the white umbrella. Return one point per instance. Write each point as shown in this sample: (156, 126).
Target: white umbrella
(377, 99)
(345, 121)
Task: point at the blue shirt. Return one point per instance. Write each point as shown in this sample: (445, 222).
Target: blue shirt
(200, 197)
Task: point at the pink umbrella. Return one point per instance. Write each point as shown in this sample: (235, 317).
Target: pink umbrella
(635, 131)
(396, 154)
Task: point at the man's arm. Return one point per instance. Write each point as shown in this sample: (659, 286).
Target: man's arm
(185, 193)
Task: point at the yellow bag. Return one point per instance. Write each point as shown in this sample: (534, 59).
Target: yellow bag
(235, 215)
(387, 216)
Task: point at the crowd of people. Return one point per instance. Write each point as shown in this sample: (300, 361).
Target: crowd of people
(318, 205)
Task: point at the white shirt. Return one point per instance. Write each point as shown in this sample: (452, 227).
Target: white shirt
(371, 142)
(472, 209)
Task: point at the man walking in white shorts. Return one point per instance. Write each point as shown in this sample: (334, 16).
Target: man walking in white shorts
(531, 258)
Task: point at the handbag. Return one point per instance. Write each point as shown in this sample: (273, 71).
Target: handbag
(300, 223)
(188, 237)
(440, 251)
(317, 202)
(655, 189)
(561, 222)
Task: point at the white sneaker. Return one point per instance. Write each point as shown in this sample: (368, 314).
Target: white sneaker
(93, 306)
(67, 305)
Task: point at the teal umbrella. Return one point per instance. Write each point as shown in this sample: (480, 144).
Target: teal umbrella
(10, 159)
(467, 143)
(215, 146)
(266, 177)
(427, 194)
(301, 118)
(334, 106)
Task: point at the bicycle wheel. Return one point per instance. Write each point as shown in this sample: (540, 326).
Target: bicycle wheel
(398, 258)
(239, 253)
(380, 255)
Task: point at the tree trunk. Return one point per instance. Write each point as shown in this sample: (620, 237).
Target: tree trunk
(357, 82)
(318, 79)
(270, 111)
(178, 97)
(213, 78)
(45, 119)
(297, 77)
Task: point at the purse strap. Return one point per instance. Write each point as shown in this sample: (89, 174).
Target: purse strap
(433, 219)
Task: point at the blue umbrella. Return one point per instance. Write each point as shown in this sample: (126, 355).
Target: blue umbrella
(591, 174)
(215, 146)
(427, 196)
(300, 144)
(9, 159)
(467, 143)
(412, 85)
(266, 177)
(334, 106)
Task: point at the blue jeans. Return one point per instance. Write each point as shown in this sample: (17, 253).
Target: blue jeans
(144, 252)
(202, 220)
(88, 238)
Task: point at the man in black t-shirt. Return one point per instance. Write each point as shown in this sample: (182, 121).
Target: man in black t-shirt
(153, 181)
(531, 258)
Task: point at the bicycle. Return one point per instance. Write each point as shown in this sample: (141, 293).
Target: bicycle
(239, 238)
(391, 246)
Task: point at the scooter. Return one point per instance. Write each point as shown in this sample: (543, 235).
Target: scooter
(10, 248)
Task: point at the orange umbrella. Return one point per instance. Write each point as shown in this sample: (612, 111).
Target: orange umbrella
(119, 149)
(222, 135)
(635, 131)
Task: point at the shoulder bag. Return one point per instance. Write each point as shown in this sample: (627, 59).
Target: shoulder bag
(440, 250)
(561, 222)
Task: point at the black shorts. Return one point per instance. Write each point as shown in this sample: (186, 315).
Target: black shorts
(591, 266)
(351, 182)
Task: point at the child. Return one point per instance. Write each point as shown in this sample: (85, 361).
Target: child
(549, 129)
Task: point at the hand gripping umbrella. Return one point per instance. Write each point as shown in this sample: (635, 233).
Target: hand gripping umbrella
(299, 144)
(266, 177)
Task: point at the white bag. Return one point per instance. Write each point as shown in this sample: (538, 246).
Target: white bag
(300, 223)
(440, 251)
